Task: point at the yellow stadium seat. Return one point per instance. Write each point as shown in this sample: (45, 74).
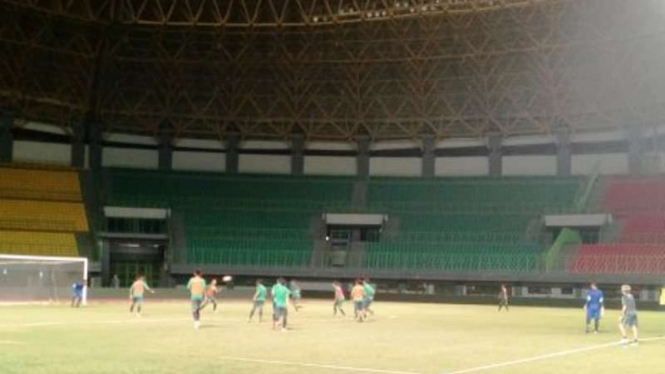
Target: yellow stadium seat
(39, 184)
(38, 243)
(42, 216)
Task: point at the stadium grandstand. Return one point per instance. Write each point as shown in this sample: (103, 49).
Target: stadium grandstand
(453, 141)
(441, 151)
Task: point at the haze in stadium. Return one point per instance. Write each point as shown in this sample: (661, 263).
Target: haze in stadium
(332, 186)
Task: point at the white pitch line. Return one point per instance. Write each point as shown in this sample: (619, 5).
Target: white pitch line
(545, 357)
(10, 342)
(112, 322)
(317, 366)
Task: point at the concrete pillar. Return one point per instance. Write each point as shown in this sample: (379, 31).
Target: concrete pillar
(232, 145)
(635, 152)
(363, 156)
(165, 151)
(96, 149)
(77, 159)
(297, 154)
(429, 158)
(105, 261)
(6, 137)
(564, 153)
(495, 154)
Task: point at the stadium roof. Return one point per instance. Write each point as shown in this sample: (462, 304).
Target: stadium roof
(335, 69)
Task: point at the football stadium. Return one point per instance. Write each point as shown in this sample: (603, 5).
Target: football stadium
(332, 186)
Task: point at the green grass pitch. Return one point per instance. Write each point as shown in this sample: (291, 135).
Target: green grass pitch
(402, 338)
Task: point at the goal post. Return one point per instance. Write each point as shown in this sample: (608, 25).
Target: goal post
(26, 279)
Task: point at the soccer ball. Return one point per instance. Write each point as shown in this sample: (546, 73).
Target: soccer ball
(227, 278)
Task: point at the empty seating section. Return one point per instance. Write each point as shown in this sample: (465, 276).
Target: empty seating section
(626, 196)
(237, 220)
(40, 211)
(183, 189)
(38, 243)
(465, 224)
(462, 257)
(480, 195)
(638, 204)
(42, 216)
(39, 184)
(619, 259)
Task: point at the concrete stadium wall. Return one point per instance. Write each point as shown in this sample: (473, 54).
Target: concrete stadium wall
(455, 157)
(268, 164)
(199, 161)
(395, 166)
(461, 166)
(529, 165)
(326, 165)
(132, 158)
(42, 152)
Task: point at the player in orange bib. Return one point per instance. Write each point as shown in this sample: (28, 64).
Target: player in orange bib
(358, 296)
(196, 287)
(211, 290)
(136, 292)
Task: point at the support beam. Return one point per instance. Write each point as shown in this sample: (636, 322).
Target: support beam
(105, 261)
(297, 154)
(77, 158)
(429, 158)
(362, 161)
(165, 155)
(495, 155)
(564, 153)
(6, 137)
(635, 152)
(232, 145)
(96, 149)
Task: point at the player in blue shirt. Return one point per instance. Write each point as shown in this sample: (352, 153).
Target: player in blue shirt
(594, 307)
(77, 293)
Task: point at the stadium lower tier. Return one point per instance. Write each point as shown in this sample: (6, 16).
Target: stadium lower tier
(618, 259)
(462, 257)
(249, 251)
(38, 243)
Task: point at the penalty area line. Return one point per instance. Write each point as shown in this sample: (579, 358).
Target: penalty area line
(316, 366)
(545, 357)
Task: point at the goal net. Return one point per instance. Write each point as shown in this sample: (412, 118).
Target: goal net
(39, 279)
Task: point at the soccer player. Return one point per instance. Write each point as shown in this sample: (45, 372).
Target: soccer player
(136, 291)
(259, 299)
(628, 315)
(281, 299)
(339, 299)
(368, 299)
(503, 298)
(358, 296)
(211, 290)
(196, 287)
(594, 307)
(77, 293)
(274, 306)
(296, 294)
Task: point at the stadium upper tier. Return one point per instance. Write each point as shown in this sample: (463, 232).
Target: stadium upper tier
(474, 194)
(59, 185)
(269, 220)
(637, 204)
(40, 211)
